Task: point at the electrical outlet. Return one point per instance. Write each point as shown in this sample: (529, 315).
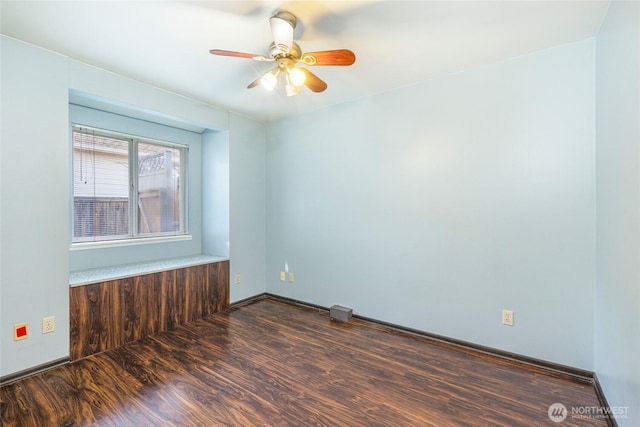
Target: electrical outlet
(290, 277)
(282, 276)
(507, 317)
(48, 324)
(237, 278)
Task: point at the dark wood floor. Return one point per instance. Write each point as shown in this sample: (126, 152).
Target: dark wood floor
(270, 363)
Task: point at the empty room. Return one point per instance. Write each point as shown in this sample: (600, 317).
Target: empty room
(338, 213)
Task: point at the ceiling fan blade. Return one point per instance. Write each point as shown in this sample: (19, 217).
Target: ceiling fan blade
(282, 26)
(313, 82)
(329, 57)
(239, 54)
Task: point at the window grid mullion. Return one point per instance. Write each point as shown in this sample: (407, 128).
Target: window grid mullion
(184, 215)
(133, 194)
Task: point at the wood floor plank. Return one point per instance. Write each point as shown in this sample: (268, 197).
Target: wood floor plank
(271, 363)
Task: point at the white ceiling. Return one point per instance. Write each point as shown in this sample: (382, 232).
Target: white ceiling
(397, 43)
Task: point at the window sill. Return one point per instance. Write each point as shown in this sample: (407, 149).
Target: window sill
(128, 242)
(102, 274)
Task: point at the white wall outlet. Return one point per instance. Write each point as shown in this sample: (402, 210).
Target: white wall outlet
(48, 324)
(237, 278)
(290, 277)
(282, 276)
(507, 317)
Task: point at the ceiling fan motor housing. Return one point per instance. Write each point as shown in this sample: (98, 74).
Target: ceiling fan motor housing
(276, 51)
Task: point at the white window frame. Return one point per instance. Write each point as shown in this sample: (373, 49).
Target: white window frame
(134, 237)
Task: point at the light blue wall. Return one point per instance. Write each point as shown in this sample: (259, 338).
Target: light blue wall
(617, 331)
(438, 205)
(247, 206)
(35, 155)
(120, 91)
(215, 193)
(35, 204)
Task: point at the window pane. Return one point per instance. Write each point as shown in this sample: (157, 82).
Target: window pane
(100, 186)
(159, 189)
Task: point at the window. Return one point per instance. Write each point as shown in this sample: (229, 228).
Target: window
(126, 187)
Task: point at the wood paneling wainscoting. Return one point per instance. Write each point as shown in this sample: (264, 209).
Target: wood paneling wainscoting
(109, 314)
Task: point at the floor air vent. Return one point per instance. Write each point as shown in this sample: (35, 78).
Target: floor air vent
(340, 313)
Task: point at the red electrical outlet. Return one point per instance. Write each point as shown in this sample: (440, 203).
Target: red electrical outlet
(20, 331)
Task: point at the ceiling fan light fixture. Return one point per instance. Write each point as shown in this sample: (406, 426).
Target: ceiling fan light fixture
(270, 80)
(292, 89)
(297, 76)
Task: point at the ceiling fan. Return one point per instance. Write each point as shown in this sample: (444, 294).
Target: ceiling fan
(287, 54)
